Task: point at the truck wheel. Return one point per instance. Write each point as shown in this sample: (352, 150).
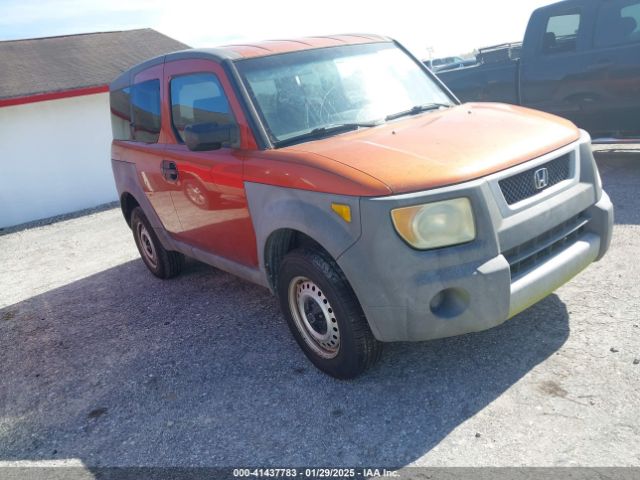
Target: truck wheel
(325, 316)
(162, 263)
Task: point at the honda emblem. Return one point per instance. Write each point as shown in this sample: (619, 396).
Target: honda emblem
(541, 178)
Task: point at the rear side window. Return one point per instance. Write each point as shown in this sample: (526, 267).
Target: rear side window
(561, 35)
(618, 23)
(198, 98)
(135, 112)
(121, 114)
(145, 106)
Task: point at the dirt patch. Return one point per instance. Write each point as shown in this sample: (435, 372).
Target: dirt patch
(553, 389)
(97, 413)
(8, 315)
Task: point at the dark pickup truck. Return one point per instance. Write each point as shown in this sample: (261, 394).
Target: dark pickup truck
(580, 59)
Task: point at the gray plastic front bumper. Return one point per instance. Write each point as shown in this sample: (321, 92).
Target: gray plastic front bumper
(410, 295)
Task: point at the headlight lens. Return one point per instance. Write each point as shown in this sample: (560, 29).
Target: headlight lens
(435, 225)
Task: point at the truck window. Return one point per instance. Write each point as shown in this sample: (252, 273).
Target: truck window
(561, 34)
(145, 102)
(618, 23)
(121, 114)
(198, 98)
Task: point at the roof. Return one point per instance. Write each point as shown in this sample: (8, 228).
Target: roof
(271, 47)
(38, 66)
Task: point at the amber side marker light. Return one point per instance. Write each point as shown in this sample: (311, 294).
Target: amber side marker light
(344, 211)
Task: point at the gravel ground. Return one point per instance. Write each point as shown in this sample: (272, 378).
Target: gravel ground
(102, 363)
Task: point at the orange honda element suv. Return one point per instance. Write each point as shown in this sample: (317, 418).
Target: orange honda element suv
(341, 174)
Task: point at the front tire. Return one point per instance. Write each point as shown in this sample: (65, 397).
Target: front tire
(325, 316)
(161, 262)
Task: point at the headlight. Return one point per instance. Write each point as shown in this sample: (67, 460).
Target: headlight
(435, 225)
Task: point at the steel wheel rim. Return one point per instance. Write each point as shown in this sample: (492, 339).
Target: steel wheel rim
(147, 247)
(314, 317)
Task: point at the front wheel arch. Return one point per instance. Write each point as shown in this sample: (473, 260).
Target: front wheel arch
(279, 244)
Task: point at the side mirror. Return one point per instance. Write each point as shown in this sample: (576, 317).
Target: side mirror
(201, 137)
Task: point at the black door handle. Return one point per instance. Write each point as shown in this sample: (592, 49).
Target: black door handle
(169, 170)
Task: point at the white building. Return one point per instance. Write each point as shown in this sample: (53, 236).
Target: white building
(55, 127)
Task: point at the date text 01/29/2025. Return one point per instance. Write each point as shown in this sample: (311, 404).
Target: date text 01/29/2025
(313, 473)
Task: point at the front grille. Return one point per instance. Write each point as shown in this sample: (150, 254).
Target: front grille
(529, 255)
(523, 185)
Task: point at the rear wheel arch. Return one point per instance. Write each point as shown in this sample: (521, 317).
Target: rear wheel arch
(127, 204)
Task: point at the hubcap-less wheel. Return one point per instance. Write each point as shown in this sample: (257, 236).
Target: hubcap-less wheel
(147, 247)
(314, 317)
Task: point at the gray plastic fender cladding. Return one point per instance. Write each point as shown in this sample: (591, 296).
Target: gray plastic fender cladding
(274, 208)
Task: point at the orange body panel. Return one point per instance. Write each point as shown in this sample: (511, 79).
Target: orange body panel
(309, 171)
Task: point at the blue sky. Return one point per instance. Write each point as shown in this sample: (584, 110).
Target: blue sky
(448, 27)
(29, 18)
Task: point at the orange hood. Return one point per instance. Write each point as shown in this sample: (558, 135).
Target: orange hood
(448, 146)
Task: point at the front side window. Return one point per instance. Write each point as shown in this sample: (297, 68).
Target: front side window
(198, 98)
(145, 107)
(618, 23)
(561, 35)
(301, 92)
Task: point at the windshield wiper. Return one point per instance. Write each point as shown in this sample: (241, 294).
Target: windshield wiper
(418, 109)
(327, 130)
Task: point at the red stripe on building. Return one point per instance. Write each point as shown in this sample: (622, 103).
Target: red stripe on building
(41, 97)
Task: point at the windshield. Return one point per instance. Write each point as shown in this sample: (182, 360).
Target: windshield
(298, 94)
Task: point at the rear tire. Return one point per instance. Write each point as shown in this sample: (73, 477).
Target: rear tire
(161, 262)
(325, 316)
